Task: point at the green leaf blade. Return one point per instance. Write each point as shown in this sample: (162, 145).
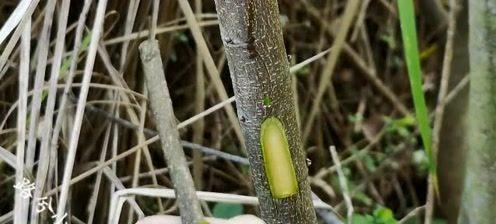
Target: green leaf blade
(409, 34)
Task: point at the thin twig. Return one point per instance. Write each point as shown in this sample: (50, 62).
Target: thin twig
(325, 171)
(153, 30)
(210, 66)
(443, 90)
(411, 214)
(106, 163)
(94, 195)
(349, 13)
(130, 18)
(9, 158)
(161, 105)
(199, 127)
(114, 179)
(152, 133)
(202, 195)
(7, 217)
(146, 33)
(454, 92)
(360, 20)
(342, 182)
(369, 72)
(119, 80)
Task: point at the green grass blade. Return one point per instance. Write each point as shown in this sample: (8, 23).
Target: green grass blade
(408, 30)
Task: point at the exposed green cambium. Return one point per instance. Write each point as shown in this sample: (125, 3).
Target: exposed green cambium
(409, 34)
(277, 159)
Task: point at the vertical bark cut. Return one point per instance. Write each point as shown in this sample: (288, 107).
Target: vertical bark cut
(252, 36)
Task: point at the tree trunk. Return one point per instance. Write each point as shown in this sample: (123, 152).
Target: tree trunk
(479, 196)
(252, 36)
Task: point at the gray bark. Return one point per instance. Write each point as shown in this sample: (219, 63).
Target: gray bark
(479, 196)
(163, 114)
(252, 36)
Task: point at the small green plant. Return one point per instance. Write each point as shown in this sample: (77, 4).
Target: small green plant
(380, 215)
(399, 126)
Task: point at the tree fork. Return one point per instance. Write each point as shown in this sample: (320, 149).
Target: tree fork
(252, 35)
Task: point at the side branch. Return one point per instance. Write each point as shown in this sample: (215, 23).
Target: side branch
(161, 105)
